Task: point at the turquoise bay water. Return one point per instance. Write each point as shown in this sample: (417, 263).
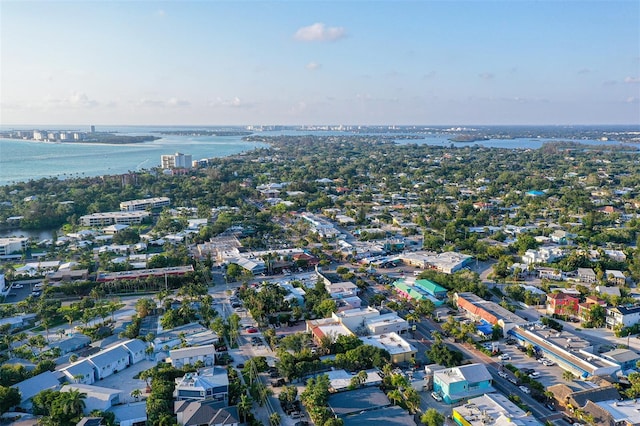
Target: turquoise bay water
(22, 160)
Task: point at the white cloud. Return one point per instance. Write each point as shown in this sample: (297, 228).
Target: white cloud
(319, 32)
(161, 13)
(313, 66)
(172, 102)
(632, 80)
(486, 76)
(234, 102)
(175, 102)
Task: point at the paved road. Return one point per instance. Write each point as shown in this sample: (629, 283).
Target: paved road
(425, 328)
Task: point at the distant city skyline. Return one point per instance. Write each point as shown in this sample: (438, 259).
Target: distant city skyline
(312, 62)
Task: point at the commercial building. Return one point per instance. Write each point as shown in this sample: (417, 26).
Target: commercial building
(571, 352)
(143, 273)
(387, 323)
(479, 309)
(354, 319)
(447, 262)
(176, 161)
(111, 218)
(144, 204)
(399, 349)
(492, 409)
(461, 383)
(615, 412)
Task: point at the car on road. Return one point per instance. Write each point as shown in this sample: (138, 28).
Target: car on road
(278, 383)
(18, 286)
(503, 374)
(436, 396)
(252, 330)
(525, 389)
(550, 406)
(241, 365)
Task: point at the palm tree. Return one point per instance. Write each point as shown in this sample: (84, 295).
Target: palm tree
(136, 393)
(274, 419)
(244, 406)
(73, 403)
(395, 396)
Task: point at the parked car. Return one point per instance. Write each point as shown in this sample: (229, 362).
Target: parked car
(436, 396)
(278, 383)
(18, 286)
(503, 374)
(525, 389)
(534, 375)
(252, 330)
(504, 357)
(241, 365)
(550, 406)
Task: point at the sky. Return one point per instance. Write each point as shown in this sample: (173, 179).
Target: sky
(319, 62)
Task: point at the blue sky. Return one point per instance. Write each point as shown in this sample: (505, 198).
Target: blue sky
(317, 62)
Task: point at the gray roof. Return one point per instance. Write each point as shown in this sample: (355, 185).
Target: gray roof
(475, 373)
(390, 416)
(75, 341)
(109, 356)
(132, 411)
(135, 345)
(32, 386)
(595, 395)
(206, 412)
(81, 368)
(345, 403)
(621, 355)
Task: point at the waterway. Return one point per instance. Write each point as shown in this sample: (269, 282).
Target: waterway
(22, 160)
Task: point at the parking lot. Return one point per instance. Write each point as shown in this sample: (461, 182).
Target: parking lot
(548, 375)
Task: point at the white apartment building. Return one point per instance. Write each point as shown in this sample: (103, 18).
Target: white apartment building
(144, 204)
(113, 218)
(176, 161)
(12, 245)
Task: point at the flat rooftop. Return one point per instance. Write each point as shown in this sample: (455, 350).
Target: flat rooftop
(494, 409)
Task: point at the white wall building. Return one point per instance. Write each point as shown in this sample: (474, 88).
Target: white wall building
(177, 160)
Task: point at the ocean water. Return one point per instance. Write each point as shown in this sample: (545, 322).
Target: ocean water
(22, 160)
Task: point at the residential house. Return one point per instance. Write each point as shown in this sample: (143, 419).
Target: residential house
(343, 404)
(585, 307)
(97, 398)
(615, 277)
(389, 416)
(189, 356)
(561, 303)
(110, 361)
(209, 413)
(587, 275)
(342, 290)
(341, 379)
(206, 384)
(622, 316)
(461, 383)
(132, 414)
(82, 371)
(36, 384)
(71, 344)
